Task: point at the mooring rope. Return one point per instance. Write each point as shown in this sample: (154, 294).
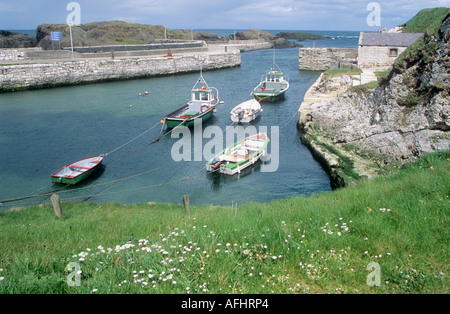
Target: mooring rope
(154, 185)
(31, 196)
(133, 139)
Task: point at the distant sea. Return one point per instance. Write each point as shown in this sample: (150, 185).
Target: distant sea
(338, 39)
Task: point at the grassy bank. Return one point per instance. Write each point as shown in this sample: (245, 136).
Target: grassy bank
(320, 244)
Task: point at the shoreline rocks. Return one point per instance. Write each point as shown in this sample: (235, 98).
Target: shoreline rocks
(405, 117)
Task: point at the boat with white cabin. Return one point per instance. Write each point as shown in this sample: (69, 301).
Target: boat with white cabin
(273, 85)
(201, 107)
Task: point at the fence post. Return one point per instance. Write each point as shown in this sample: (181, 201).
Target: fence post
(186, 205)
(56, 205)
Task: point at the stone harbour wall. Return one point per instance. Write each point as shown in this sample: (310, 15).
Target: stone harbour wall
(321, 59)
(15, 53)
(73, 72)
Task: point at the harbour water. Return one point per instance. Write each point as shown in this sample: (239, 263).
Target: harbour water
(42, 130)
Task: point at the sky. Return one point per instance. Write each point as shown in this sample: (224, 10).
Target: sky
(351, 15)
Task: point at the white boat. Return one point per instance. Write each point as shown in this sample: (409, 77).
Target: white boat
(240, 155)
(246, 112)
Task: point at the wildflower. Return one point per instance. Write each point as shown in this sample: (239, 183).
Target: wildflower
(370, 209)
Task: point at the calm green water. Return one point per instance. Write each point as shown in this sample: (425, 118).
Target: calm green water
(42, 130)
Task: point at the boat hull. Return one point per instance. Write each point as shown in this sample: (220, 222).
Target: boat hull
(268, 98)
(71, 179)
(173, 122)
(270, 91)
(227, 164)
(246, 119)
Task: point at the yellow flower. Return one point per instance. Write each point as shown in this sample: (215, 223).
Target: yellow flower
(370, 209)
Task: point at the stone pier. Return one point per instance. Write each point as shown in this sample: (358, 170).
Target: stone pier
(52, 73)
(321, 59)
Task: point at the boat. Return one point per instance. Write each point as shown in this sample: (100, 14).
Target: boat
(200, 108)
(240, 155)
(246, 112)
(78, 170)
(273, 85)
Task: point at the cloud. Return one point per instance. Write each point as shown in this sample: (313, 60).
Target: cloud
(234, 14)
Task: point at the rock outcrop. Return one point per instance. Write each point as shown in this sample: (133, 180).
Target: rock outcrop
(16, 40)
(406, 116)
(253, 34)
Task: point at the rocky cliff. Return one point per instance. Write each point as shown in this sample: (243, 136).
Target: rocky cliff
(406, 116)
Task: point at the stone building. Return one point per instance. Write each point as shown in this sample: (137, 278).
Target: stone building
(379, 50)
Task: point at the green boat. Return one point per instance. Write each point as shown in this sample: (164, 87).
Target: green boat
(240, 155)
(273, 85)
(78, 170)
(201, 107)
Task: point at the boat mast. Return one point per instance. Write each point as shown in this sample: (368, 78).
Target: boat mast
(201, 79)
(273, 66)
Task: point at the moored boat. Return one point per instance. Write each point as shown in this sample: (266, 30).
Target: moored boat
(240, 155)
(246, 111)
(273, 85)
(78, 170)
(200, 108)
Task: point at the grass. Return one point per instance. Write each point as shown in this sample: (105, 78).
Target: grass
(382, 76)
(425, 19)
(364, 88)
(319, 244)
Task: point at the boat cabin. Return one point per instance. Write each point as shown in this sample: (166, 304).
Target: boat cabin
(201, 97)
(274, 76)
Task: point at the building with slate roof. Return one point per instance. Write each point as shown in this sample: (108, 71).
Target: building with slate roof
(379, 50)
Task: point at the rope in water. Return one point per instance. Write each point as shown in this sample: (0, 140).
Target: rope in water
(30, 196)
(114, 150)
